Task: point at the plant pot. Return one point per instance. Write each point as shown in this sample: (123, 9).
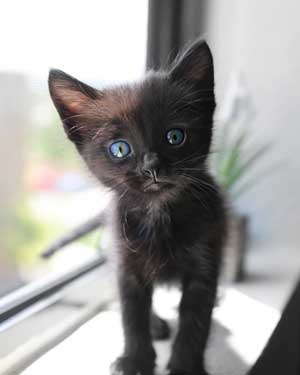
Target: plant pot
(233, 269)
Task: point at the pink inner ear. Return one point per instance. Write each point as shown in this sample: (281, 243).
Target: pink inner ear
(73, 101)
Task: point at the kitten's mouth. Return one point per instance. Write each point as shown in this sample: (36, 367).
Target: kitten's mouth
(157, 187)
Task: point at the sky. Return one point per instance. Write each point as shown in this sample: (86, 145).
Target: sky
(103, 40)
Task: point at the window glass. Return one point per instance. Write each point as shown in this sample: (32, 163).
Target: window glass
(44, 188)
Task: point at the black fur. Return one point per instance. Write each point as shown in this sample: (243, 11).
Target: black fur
(170, 221)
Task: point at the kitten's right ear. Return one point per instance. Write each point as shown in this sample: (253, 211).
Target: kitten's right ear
(72, 100)
(195, 65)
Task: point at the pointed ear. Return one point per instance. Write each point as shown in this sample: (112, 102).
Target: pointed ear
(195, 65)
(71, 98)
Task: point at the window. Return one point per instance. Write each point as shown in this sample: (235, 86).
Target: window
(45, 190)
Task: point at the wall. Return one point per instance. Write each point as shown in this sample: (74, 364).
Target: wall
(261, 39)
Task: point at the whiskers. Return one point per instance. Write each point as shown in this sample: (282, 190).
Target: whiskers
(194, 158)
(196, 183)
(122, 183)
(201, 182)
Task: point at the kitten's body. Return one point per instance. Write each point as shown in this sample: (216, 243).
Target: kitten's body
(161, 240)
(170, 217)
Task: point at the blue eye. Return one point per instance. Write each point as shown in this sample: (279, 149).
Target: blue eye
(175, 136)
(120, 149)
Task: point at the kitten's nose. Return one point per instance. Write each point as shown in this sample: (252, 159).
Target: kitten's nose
(150, 165)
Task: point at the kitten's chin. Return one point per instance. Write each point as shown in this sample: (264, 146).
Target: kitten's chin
(158, 187)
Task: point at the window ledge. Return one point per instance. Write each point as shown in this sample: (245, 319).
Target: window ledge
(234, 343)
(63, 313)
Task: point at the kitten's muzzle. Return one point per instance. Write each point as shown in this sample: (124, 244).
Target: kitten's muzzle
(151, 173)
(150, 165)
(157, 184)
(150, 169)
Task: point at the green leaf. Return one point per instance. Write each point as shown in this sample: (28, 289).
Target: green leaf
(231, 161)
(244, 167)
(222, 140)
(247, 185)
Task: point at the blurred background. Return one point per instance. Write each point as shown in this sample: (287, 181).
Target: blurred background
(44, 188)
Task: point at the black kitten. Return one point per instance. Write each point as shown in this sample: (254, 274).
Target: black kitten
(149, 143)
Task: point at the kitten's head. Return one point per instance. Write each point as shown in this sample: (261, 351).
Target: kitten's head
(149, 137)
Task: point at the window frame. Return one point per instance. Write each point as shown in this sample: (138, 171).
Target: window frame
(16, 302)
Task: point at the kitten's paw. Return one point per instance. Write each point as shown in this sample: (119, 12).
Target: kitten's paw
(159, 328)
(127, 366)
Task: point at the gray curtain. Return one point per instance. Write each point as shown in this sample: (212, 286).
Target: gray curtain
(172, 24)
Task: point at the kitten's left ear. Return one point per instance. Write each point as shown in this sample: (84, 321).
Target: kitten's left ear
(69, 95)
(72, 99)
(195, 65)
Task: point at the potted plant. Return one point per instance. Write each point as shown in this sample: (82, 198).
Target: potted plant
(233, 163)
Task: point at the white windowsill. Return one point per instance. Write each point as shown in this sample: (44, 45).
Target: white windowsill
(241, 328)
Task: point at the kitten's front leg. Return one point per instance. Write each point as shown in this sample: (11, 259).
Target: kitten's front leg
(194, 323)
(139, 356)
